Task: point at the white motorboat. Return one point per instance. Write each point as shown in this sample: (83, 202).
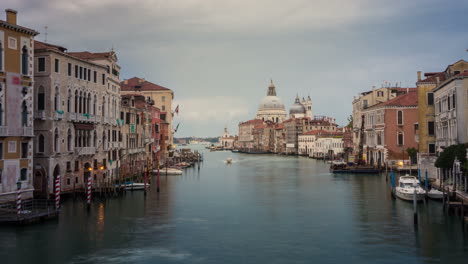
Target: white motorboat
(435, 194)
(169, 171)
(406, 187)
(229, 160)
(135, 186)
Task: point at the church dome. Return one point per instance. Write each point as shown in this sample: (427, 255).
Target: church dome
(271, 103)
(297, 107)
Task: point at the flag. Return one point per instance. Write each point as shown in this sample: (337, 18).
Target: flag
(177, 110)
(177, 127)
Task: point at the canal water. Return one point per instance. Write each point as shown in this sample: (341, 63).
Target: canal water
(259, 209)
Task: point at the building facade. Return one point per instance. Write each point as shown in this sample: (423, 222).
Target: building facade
(271, 108)
(16, 108)
(246, 137)
(162, 98)
(226, 140)
(76, 119)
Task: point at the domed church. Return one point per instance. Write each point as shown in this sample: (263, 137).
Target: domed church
(271, 108)
(299, 109)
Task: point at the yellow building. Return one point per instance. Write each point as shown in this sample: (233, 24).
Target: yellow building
(16, 107)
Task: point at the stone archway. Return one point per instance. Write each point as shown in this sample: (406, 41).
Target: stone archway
(40, 182)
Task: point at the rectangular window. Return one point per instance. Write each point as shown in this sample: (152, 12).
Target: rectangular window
(122, 115)
(127, 119)
(69, 69)
(430, 98)
(431, 148)
(163, 98)
(400, 139)
(89, 74)
(40, 101)
(81, 72)
(56, 65)
(163, 108)
(103, 78)
(95, 76)
(400, 117)
(104, 163)
(69, 166)
(448, 103)
(85, 74)
(1, 150)
(41, 64)
(430, 128)
(76, 71)
(24, 150)
(364, 104)
(77, 165)
(454, 101)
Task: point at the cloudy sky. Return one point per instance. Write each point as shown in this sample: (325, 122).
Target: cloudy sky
(219, 55)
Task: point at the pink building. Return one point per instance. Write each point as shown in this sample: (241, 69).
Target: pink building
(389, 130)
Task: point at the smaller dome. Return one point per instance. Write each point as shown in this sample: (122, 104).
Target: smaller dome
(297, 108)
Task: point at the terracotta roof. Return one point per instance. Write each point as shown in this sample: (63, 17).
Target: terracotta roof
(138, 84)
(279, 126)
(465, 73)
(86, 55)
(322, 133)
(407, 99)
(253, 121)
(42, 45)
(431, 77)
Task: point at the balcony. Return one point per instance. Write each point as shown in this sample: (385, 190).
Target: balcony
(135, 150)
(58, 115)
(3, 131)
(41, 115)
(28, 132)
(97, 119)
(149, 140)
(72, 116)
(85, 151)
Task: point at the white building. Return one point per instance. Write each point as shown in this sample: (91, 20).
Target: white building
(319, 144)
(226, 140)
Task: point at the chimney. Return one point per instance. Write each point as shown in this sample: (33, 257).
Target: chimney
(437, 80)
(125, 82)
(419, 76)
(11, 16)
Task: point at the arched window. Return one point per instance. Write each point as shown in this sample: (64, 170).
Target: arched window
(400, 117)
(41, 144)
(95, 139)
(1, 56)
(81, 108)
(89, 104)
(103, 139)
(69, 140)
(24, 114)
(69, 101)
(24, 61)
(24, 174)
(1, 114)
(88, 140)
(56, 140)
(56, 99)
(40, 99)
(94, 105)
(103, 106)
(76, 101)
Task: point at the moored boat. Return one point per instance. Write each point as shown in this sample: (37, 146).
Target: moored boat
(169, 171)
(133, 186)
(435, 194)
(406, 187)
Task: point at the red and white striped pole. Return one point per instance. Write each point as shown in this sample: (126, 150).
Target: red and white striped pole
(57, 192)
(89, 192)
(18, 200)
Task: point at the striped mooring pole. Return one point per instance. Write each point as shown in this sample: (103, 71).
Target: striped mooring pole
(18, 201)
(57, 193)
(88, 200)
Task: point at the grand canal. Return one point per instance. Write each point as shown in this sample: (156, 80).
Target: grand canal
(260, 209)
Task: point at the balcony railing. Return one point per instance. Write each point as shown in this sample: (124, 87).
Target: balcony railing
(85, 151)
(58, 115)
(72, 116)
(3, 131)
(28, 132)
(40, 115)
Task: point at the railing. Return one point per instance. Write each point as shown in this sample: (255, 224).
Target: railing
(85, 151)
(97, 119)
(28, 132)
(58, 116)
(30, 209)
(40, 115)
(135, 150)
(72, 116)
(3, 131)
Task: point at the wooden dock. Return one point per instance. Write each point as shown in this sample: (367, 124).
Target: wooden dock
(32, 211)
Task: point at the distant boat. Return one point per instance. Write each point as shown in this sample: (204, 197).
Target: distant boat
(235, 150)
(134, 186)
(169, 171)
(407, 185)
(229, 160)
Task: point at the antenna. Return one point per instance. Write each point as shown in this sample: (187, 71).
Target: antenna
(45, 29)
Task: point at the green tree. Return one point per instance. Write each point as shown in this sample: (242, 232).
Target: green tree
(412, 153)
(447, 157)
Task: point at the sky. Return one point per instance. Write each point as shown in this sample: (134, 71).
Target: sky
(218, 56)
